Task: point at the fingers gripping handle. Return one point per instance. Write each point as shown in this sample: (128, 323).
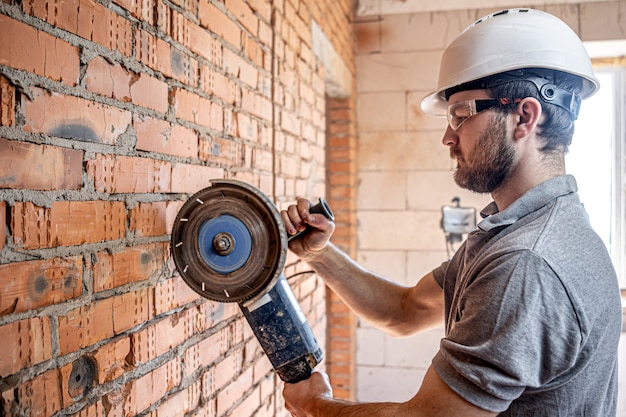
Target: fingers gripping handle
(320, 208)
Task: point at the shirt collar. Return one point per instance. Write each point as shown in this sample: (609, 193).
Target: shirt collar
(531, 201)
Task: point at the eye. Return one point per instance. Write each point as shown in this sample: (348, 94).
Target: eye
(460, 110)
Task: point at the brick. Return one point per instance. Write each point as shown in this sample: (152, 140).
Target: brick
(174, 330)
(110, 30)
(40, 396)
(110, 80)
(36, 284)
(206, 352)
(256, 104)
(163, 16)
(61, 14)
(176, 405)
(38, 52)
(149, 92)
(237, 67)
(147, 11)
(3, 228)
(243, 13)
(7, 102)
(92, 410)
(73, 118)
(249, 405)
(149, 219)
(159, 338)
(161, 57)
(201, 42)
(86, 325)
(111, 359)
(155, 135)
(152, 387)
(196, 109)
(39, 167)
(131, 309)
(231, 394)
(217, 84)
(130, 5)
(36, 227)
(221, 151)
(172, 294)
(30, 344)
(134, 264)
(191, 178)
(178, 28)
(143, 346)
(262, 7)
(248, 128)
(254, 52)
(127, 174)
(183, 67)
(217, 22)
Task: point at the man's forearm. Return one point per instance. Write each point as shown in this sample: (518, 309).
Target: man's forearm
(369, 295)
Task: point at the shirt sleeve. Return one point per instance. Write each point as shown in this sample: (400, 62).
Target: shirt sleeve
(513, 327)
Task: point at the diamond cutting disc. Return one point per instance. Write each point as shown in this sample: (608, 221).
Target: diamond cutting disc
(229, 242)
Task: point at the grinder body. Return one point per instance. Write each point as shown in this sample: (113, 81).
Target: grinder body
(229, 245)
(283, 332)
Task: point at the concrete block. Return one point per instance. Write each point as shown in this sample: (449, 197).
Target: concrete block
(602, 21)
(381, 111)
(381, 190)
(417, 31)
(368, 37)
(397, 71)
(412, 352)
(416, 119)
(429, 190)
(390, 264)
(370, 347)
(387, 384)
(421, 262)
(399, 230)
(402, 151)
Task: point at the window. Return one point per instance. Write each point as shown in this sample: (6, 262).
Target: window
(597, 160)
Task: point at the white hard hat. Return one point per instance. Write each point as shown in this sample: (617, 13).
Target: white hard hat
(510, 40)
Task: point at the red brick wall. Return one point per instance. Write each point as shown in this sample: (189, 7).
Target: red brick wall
(111, 115)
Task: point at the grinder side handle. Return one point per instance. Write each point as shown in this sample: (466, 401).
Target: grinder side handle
(321, 207)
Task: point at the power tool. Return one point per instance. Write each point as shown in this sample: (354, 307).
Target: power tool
(229, 244)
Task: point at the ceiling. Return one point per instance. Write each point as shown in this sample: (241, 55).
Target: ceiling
(384, 7)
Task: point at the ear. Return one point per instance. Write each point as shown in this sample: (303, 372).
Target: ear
(528, 114)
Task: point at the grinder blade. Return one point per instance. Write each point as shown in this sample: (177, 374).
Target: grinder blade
(229, 242)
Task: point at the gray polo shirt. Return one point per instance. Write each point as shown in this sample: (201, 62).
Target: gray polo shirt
(533, 310)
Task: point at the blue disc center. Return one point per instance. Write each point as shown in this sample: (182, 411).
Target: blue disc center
(238, 236)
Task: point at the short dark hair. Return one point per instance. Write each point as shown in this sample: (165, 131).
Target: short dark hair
(557, 128)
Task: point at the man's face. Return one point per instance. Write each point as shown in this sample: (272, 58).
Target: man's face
(483, 154)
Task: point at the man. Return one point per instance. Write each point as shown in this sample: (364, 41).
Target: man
(530, 301)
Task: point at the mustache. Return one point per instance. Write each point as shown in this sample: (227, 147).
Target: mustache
(455, 153)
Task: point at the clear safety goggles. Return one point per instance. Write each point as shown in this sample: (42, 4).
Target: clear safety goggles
(458, 113)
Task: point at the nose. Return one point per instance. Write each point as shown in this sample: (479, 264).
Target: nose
(450, 138)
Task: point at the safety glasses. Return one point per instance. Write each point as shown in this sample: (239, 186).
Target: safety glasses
(459, 112)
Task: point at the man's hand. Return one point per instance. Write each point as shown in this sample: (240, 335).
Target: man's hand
(300, 398)
(296, 219)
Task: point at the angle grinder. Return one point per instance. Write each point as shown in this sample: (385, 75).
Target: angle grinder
(229, 244)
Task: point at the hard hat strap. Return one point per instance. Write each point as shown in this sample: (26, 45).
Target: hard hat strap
(543, 79)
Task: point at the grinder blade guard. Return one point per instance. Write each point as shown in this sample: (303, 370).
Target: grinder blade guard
(229, 244)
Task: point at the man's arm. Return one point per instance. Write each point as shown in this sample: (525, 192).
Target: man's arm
(392, 307)
(395, 308)
(313, 398)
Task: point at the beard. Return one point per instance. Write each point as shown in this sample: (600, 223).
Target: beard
(492, 160)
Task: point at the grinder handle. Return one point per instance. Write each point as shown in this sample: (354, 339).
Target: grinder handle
(320, 208)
